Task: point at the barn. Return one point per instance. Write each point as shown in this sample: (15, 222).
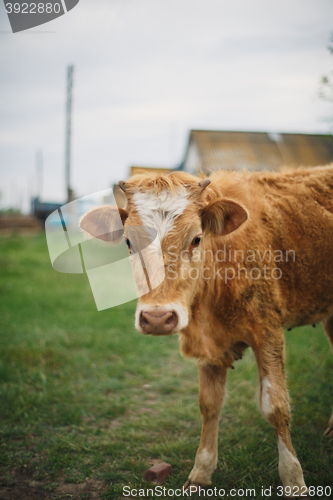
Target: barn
(211, 150)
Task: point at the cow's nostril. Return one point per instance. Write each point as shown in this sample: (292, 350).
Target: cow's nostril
(158, 321)
(172, 319)
(144, 323)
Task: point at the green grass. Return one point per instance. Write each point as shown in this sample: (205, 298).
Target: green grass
(73, 403)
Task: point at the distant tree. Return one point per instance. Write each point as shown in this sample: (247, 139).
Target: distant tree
(326, 83)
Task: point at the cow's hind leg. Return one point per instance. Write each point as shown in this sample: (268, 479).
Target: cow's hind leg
(328, 326)
(211, 392)
(274, 405)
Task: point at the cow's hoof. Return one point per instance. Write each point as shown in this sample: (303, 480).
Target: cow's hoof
(193, 487)
(329, 432)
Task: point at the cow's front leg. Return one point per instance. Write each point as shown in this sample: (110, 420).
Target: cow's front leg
(274, 405)
(211, 391)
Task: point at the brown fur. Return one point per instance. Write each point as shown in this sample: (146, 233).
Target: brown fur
(286, 211)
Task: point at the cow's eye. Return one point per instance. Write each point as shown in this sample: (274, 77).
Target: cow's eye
(196, 241)
(128, 243)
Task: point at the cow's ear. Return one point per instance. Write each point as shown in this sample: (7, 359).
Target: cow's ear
(223, 216)
(104, 223)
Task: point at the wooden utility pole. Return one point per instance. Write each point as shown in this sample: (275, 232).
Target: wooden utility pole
(39, 173)
(70, 70)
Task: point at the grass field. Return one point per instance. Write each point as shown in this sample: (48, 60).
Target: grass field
(87, 404)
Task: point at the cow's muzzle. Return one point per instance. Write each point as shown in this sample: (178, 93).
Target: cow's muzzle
(158, 322)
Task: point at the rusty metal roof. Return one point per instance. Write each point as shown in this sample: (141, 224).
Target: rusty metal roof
(258, 150)
(149, 170)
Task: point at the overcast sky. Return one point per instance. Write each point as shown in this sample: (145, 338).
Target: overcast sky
(146, 72)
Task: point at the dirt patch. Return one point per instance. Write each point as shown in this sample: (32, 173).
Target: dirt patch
(28, 489)
(114, 424)
(92, 486)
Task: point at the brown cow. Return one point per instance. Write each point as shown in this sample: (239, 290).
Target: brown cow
(245, 256)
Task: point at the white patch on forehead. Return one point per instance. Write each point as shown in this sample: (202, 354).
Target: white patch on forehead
(160, 210)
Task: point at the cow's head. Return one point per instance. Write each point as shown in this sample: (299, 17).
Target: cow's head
(186, 216)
